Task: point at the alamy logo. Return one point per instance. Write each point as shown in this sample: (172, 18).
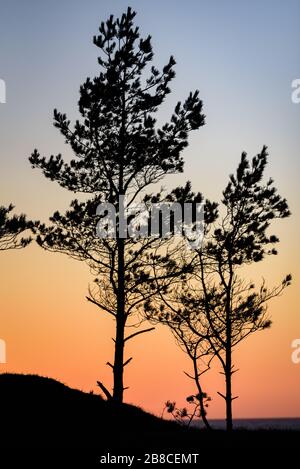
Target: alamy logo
(296, 91)
(157, 220)
(2, 351)
(296, 352)
(2, 92)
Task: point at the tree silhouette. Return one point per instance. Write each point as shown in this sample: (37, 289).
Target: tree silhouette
(167, 307)
(11, 227)
(216, 308)
(120, 152)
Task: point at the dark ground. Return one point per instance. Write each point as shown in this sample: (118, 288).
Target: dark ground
(42, 414)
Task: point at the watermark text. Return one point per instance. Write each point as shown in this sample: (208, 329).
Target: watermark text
(296, 352)
(2, 351)
(2, 92)
(296, 91)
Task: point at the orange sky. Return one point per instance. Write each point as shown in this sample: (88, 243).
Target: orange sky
(50, 329)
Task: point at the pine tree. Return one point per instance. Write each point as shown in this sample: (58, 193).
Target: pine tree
(119, 152)
(216, 308)
(11, 229)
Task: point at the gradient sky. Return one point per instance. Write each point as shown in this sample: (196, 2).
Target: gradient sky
(242, 56)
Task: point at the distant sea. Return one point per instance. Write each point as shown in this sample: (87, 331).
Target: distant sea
(259, 424)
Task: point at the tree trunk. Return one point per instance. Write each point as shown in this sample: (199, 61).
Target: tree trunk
(228, 375)
(229, 425)
(121, 318)
(201, 399)
(120, 328)
(228, 353)
(203, 413)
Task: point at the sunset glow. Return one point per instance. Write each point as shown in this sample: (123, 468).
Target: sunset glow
(243, 60)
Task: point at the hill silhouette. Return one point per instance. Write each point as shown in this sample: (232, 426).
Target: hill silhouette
(42, 412)
(39, 412)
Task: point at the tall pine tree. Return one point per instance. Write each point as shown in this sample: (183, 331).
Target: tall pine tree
(119, 152)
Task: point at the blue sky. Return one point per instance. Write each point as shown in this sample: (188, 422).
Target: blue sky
(241, 55)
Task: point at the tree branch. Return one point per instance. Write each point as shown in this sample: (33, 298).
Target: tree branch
(139, 332)
(104, 390)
